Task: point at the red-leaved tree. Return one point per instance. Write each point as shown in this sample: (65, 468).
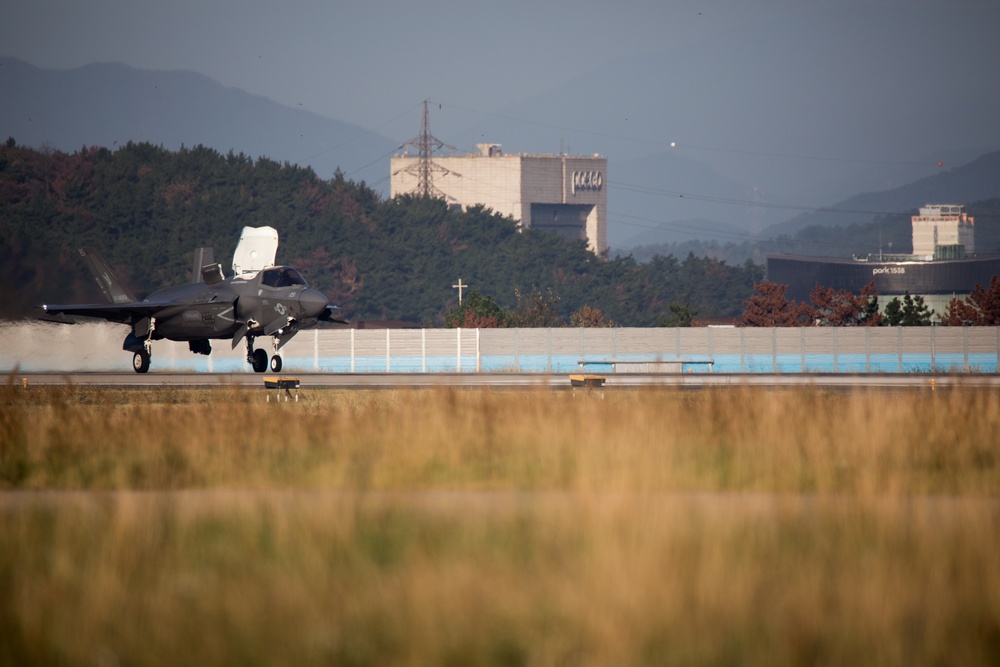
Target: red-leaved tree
(981, 308)
(840, 308)
(769, 307)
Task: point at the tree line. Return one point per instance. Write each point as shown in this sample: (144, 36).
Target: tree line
(146, 209)
(769, 307)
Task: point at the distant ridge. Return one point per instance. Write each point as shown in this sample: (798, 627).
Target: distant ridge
(109, 104)
(975, 181)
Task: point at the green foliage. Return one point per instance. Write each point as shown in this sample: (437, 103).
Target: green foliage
(146, 209)
(910, 312)
(681, 315)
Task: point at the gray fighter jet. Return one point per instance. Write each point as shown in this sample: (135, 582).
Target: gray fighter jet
(260, 299)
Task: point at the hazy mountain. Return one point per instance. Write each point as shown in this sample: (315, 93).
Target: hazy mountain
(110, 104)
(977, 180)
(661, 198)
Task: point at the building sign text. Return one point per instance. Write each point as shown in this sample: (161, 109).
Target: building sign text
(587, 180)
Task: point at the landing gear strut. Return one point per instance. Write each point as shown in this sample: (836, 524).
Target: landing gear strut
(140, 359)
(275, 359)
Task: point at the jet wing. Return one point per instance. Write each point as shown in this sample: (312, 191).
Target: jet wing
(121, 312)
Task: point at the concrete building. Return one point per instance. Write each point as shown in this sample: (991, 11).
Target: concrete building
(561, 193)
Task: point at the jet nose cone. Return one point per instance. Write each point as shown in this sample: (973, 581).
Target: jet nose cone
(313, 303)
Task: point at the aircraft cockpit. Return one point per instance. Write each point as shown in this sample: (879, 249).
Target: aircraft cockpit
(282, 276)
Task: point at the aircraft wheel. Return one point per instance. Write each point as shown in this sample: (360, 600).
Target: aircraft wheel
(140, 362)
(276, 364)
(259, 361)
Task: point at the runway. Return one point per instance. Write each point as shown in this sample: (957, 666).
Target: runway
(549, 381)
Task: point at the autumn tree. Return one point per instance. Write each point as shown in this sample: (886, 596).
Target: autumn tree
(588, 316)
(840, 308)
(981, 308)
(769, 307)
(478, 312)
(536, 309)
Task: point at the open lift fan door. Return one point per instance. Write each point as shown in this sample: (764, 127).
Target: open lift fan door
(256, 250)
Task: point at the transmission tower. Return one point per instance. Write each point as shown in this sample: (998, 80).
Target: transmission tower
(426, 143)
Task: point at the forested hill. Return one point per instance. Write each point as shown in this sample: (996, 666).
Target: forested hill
(146, 208)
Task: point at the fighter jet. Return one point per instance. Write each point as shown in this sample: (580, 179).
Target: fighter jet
(260, 299)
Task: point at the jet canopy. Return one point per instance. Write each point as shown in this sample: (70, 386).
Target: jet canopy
(282, 276)
(256, 250)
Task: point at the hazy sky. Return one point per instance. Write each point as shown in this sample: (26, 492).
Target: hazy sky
(763, 90)
(368, 60)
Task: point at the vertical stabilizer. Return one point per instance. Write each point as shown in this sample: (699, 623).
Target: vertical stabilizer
(113, 289)
(202, 257)
(256, 250)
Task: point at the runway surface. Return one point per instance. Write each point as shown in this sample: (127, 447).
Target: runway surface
(554, 381)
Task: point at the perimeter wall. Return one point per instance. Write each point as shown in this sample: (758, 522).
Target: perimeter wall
(39, 346)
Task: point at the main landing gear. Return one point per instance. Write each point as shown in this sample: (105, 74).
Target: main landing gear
(258, 358)
(141, 359)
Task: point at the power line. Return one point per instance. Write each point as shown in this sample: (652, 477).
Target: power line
(741, 202)
(366, 133)
(674, 144)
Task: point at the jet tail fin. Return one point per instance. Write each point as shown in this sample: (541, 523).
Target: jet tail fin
(212, 274)
(202, 257)
(113, 288)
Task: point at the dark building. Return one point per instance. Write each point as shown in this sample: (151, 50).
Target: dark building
(939, 269)
(942, 278)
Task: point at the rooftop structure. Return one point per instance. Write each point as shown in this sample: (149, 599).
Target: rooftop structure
(943, 232)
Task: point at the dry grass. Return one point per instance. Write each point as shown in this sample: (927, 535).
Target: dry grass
(509, 528)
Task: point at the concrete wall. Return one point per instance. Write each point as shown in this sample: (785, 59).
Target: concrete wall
(39, 346)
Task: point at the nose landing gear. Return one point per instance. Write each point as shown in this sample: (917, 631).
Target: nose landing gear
(140, 362)
(275, 359)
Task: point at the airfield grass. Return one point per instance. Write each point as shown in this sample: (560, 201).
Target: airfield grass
(455, 527)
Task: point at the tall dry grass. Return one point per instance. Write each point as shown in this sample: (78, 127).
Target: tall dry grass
(739, 440)
(477, 527)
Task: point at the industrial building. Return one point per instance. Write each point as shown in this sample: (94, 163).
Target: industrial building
(561, 193)
(943, 264)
